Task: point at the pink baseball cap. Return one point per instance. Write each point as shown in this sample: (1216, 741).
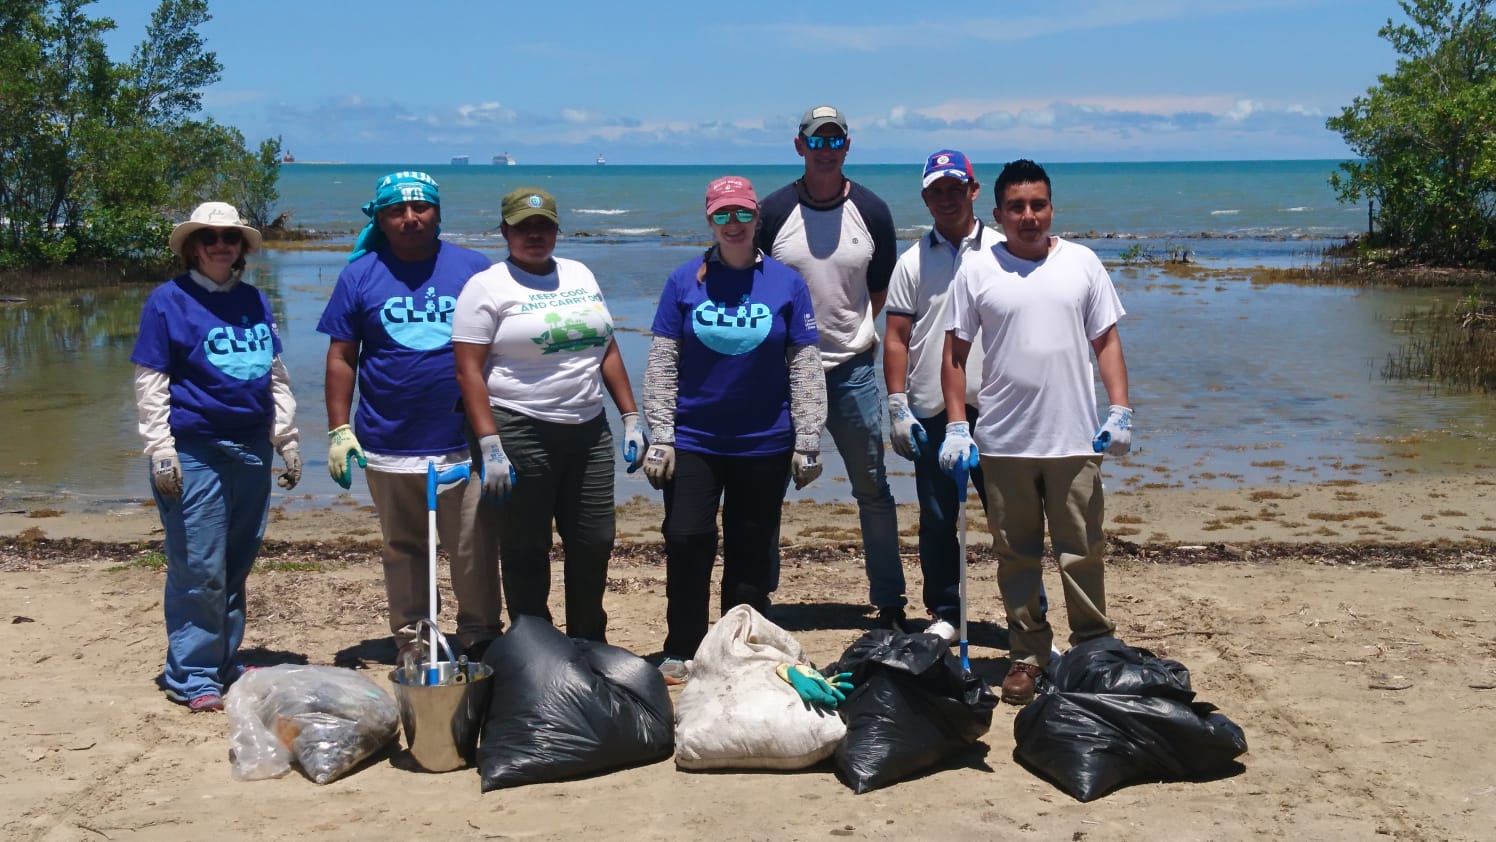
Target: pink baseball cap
(730, 191)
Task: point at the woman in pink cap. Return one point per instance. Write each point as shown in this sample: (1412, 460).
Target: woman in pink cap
(735, 397)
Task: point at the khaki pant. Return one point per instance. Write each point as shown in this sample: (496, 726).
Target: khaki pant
(472, 545)
(1022, 494)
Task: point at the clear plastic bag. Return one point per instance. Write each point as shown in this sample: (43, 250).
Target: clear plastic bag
(325, 719)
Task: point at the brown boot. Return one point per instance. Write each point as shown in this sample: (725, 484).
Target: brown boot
(1018, 685)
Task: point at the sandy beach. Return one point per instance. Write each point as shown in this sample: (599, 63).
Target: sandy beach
(1348, 627)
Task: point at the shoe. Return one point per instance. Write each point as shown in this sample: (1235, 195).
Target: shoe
(943, 630)
(675, 671)
(1018, 685)
(205, 703)
(893, 618)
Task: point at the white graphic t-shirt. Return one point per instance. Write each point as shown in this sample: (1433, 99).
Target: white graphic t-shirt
(546, 336)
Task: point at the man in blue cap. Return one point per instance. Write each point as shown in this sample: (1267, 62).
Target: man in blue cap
(390, 327)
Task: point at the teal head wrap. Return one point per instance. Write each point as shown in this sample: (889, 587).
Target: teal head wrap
(393, 189)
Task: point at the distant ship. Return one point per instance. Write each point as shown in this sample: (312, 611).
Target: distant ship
(601, 160)
(459, 160)
(504, 159)
(288, 158)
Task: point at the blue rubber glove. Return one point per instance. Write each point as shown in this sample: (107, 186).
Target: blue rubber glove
(958, 453)
(634, 443)
(497, 473)
(814, 688)
(342, 451)
(904, 432)
(1115, 435)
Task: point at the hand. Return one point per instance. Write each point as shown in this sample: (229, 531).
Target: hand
(659, 465)
(1115, 435)
(343, 449)
(166, 472)
(805, 465)
(812, 687)
(905, 432)
(498, 476)
(634, 441)
(958, 453)
(291, 455)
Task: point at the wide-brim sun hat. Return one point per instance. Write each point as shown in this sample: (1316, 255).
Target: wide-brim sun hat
(213, 215)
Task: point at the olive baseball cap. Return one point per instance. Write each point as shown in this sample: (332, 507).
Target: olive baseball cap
(522, 203)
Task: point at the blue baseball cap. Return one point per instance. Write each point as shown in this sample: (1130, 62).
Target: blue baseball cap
(948, 162)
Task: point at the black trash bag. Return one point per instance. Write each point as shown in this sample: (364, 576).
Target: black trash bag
(913, 708)
(1090, 742)
(564, 708)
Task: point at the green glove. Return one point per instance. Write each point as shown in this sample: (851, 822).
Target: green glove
(813, 687)
(342, 450)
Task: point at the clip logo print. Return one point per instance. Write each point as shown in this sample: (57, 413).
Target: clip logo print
(241, 353)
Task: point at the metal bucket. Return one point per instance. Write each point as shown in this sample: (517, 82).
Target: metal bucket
(442, 710)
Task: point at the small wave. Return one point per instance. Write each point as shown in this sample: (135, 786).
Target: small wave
(601, 211)
(1224, 212)
(632, 232)
(1294, 210)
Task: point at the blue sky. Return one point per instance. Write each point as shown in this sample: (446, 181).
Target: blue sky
(709, 83)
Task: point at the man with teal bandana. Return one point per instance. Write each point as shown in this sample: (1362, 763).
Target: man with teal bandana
(390, 327)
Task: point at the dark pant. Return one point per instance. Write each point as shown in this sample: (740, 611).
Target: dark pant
(939, 544)
(751, 492)
(563, 475)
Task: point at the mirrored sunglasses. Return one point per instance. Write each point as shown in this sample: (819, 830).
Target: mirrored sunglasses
(742, 215)
(836, 142)
(211, 236)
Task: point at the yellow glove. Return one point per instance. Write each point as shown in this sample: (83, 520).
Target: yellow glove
(341, 453)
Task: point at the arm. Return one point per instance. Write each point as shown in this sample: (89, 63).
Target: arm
(878, 299)
(342, 368)
(807, 397)
(283, 433)
(1111, 365)
(661, 382)
(616, 379)
(153, 409)
(896, 352)
(470, 358)
(953, 376)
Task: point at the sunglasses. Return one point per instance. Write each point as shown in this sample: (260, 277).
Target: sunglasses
(816, 141)
(210, 236)
(741, 215)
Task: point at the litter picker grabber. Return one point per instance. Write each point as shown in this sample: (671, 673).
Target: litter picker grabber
(434, 480)
(963, 472)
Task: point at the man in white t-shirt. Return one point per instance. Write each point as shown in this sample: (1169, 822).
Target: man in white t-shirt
(1042, 305)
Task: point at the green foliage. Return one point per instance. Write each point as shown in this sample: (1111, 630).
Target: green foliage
(96, 157)
(1424, 133)
(1138, 253)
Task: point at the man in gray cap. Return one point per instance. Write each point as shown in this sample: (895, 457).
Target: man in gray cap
(840, 237)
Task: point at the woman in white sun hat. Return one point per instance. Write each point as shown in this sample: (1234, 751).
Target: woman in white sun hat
(213, 399)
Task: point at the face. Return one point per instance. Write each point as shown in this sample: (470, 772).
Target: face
(531, 241)
(1025, 215)
(949, 201)
(213, 252)
(409, 226)
(734, 233)
(824, 161)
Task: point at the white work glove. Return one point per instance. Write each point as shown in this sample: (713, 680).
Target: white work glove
(905, 433)
(291, 455)
(634, 441)
(805, 465)
(497, 474)
(343, 450)
(1115, 435)
(659, 465)
(166, 472)
(958, 453)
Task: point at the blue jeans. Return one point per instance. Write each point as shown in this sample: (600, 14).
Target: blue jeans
(854, 417)
(939, 544)
(213, 534)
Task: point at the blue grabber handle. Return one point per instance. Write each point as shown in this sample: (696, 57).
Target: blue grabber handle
(921, 441)
(963, 473)
(631, 455)
(436, 479)
(1102, 441)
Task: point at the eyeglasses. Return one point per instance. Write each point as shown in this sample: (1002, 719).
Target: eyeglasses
(815, 141)
(211, 236)
(742, 215)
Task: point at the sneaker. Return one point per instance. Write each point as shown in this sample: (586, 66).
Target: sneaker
(675, 671)
(943, 630)
(893, 618)
(1018, 685)
(205, 703)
